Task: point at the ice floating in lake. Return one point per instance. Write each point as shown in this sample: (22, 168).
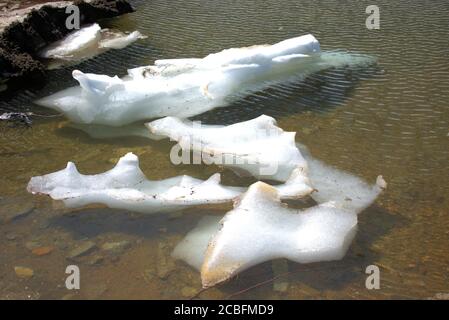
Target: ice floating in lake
(119, 40)
(257, 146)
(126, 187)
(77, 41)
(260, 229)
(333, 186)
(187, 87)
(88, 41)
(344, 189)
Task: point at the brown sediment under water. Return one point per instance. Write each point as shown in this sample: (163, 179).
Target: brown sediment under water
(390, 118)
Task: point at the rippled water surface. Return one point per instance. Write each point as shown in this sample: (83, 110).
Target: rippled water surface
(390, 118)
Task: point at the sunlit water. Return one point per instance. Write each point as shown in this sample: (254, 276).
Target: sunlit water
(390, 119)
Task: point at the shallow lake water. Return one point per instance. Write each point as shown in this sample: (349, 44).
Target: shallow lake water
(390, 118)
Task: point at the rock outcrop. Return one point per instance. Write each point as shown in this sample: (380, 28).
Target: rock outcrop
(24, 31)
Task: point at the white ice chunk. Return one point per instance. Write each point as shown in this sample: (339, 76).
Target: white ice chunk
(188, 87)
(334, 186)
(344, 189)
(119, 40)
(126, 187)
(72, 44)
(260, 229)
(85, 43)
(257, 146)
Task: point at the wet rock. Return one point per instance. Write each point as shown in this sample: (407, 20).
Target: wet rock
(116, 248)
(81, 250)
(42, 251)
(23, 32)
(23, 272)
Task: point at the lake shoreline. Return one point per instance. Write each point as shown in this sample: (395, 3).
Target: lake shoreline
(27, 29)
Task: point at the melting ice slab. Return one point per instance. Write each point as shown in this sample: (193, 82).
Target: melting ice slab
(260, 229)
(126, 187)
(88, 41)
(257, 146)
(344, 189)
(187, 87)
(335, 188)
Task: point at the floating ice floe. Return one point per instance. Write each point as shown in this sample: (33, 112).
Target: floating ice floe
(118, 40)
(73, 43)
(346, 190)
(126, 187)
(188, 87)
(257, 146)
(260, 229)
(334, 189)
(88, 41)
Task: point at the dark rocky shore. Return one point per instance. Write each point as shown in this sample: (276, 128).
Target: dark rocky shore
(27, 28)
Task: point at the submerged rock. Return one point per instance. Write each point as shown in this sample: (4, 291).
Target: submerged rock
(42, 251)
(82, 249)
(116, 247)
(24, 272)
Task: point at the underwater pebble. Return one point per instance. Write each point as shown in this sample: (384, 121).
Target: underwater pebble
(82, 249)
(116, 247)
(23, 272)
(42, 251)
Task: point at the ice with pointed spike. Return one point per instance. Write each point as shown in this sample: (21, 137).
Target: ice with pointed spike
(188, 87)
(260, 229)
(257, 146)
(126, 187)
